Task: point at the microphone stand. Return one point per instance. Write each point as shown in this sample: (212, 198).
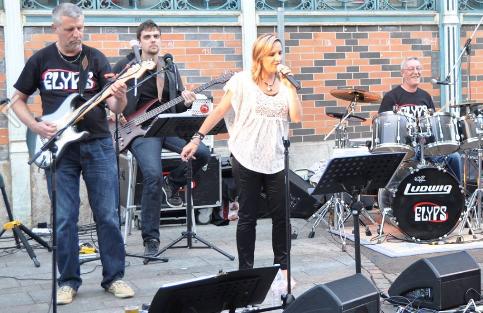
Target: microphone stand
(52, 147)
(466, 49)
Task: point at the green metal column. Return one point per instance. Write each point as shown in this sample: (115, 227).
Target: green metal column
(18, 154)
(449, 34)
(249, 31)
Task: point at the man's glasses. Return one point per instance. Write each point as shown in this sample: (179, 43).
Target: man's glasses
(412, 69)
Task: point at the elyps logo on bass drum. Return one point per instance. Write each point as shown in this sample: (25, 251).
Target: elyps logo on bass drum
(430, 212)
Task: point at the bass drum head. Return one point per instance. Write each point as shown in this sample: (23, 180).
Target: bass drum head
(426, 203)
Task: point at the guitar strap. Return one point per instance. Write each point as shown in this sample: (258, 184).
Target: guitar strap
(160, 79)
(84, 69)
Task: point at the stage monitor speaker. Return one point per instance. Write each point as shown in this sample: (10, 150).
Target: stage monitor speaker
(353, 294)
(440, 282)
(302, 203)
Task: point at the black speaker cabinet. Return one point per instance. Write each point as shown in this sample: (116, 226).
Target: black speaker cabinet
(440, 282)
(302, 204)
(353, 294)
(206, 183)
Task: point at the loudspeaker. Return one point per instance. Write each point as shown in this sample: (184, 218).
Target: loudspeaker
(440, 282)
(206, 183)
(353, 294)
(302, 204)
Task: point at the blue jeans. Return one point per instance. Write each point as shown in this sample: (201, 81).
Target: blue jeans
(96, 160)
(147, 152)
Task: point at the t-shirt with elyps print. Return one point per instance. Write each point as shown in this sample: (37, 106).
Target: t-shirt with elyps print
(56, 77)
(415, 104)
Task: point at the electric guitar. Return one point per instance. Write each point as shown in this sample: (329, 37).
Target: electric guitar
(132, 128)
(66, 116)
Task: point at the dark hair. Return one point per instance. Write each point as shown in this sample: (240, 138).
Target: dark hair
(148, 24)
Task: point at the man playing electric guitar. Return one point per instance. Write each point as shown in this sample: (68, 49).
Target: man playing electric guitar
(57, 71)
(147, 151)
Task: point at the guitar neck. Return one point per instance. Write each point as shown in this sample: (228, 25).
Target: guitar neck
(155, 112)
(90, 104)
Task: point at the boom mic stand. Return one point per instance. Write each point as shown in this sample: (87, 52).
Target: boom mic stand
(466, 49)
(52, 147)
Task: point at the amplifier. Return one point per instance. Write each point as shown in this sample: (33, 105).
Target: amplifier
(206, 185)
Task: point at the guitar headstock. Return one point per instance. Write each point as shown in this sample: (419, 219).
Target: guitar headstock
(137, 70)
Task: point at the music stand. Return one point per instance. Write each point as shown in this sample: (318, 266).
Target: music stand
(356, 175)
(169, 125)
(226, 291)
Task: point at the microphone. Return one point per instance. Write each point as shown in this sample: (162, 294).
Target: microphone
(168, 59)
(440, 82)
(290, 78)
(135, 48)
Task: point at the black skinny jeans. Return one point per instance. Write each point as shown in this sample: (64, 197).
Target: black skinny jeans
(250, 184)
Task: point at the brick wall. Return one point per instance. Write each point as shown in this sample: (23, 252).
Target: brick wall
(363, 57)
(324, 58)
(476, 69)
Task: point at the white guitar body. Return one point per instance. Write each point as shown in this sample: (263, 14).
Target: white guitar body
(61, 117)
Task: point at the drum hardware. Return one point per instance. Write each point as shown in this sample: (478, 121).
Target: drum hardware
(474, 202)
(380, 231)
(393, 132)
(354, 96)
(338, 211)
(442, 133)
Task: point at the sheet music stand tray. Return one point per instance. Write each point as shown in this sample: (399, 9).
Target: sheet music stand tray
(227, 291)
(170, 125)
(356, 175)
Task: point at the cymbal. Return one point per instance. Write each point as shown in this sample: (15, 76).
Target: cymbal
(466, 104)
(352, 94)
(340, 115)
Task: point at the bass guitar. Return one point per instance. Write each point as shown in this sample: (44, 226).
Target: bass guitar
(66, 117)
(133, 126)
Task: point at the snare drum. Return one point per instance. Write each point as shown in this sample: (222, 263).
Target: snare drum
(426, 202)
(442, 128)
(391, 132)
(470, 126)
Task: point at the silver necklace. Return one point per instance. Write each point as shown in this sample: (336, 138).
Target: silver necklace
(269, 85)
(72, 61)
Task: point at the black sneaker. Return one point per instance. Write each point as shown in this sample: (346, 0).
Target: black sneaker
(151, 247)
(171, 194)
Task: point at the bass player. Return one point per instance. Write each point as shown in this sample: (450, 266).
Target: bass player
(147, 151)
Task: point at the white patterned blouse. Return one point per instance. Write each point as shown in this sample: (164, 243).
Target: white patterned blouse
(257, 124)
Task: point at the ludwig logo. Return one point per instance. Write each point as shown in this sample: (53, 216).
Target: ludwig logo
(427, 190)
(430, 212)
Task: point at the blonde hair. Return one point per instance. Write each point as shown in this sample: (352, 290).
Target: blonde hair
(261, 48)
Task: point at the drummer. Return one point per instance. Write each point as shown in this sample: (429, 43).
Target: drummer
(411, 100)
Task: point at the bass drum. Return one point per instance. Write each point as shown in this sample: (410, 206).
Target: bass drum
(426, 202)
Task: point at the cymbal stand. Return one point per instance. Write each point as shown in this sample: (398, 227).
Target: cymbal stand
(472, 214)
(335, 206)
(342, 125)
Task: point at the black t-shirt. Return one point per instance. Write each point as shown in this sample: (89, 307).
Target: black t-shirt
(56, 79)
(415, 104)
(148, 91)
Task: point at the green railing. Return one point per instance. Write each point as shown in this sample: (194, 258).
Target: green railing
(172, 5)
(261, 5)
(347, 5)
(470, 5)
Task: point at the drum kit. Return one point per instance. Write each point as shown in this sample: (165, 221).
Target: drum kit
(424, 200)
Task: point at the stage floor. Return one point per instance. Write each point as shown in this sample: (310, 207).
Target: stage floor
(393, 243)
